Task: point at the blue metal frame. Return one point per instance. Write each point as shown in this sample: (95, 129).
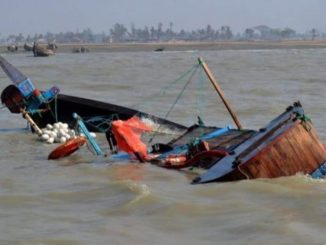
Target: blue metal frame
(82, 128)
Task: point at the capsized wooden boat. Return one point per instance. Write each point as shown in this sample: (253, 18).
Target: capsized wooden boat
(286, 146)
(50, 106)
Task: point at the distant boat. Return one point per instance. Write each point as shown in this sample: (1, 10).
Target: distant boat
(81, 49)
(12, 48)
(28, 47)
(41, 51)
(159, 49)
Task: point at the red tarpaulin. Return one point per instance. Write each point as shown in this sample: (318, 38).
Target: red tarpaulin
(127, 134)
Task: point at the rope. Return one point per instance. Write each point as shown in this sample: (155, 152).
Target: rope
(48, 108)
(165, 88)
(56, 108)
(243, 172)
(179, 95)
(176, 100)
(107, 121)
(200, 100)
(200, 94)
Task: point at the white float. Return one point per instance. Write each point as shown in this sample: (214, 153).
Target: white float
(58, 133)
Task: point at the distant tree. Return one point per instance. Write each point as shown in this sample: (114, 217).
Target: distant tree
(226, 33)
(133, 31)
(217, 34)
(49, 36)
(152, 33)
(146, 34)
(265, 31)
(274, 33)
(159, 30)
(70, 36)
(287, 33)
(200, 34)
(38, 37)
(171, 26)
(60, 37)
(20, 38)
(210, 33)
(249, 33)
(29, 39)
(182, 35)
(103, 37)
(313, 33)
(169, 34)
(11, 38)
(87, 35)
(118, 32)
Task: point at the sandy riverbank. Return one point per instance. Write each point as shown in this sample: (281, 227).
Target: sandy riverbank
(184, 46)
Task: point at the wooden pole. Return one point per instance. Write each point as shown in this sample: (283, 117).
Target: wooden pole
(219, 91)
(31, 122)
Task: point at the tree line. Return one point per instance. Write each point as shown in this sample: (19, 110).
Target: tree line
(120, 33)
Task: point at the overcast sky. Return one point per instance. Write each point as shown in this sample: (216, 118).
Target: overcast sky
(41, 16)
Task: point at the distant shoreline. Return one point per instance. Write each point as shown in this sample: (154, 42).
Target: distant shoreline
(184, 46)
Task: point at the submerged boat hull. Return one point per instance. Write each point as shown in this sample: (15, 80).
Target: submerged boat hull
(96, 115)
(286, 146)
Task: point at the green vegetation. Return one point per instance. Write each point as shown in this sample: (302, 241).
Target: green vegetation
(120, 33)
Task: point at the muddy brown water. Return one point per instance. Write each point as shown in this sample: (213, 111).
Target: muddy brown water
(98, 201)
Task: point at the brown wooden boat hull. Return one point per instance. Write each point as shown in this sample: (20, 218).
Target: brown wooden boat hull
(298, 150)
(287, 146)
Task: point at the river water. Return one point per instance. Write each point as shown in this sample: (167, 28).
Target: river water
(84, 199)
